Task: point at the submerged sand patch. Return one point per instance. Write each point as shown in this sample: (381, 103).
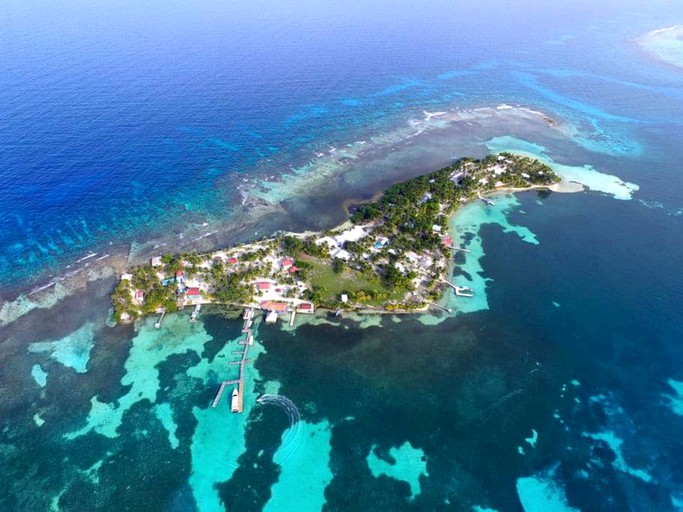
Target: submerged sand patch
(664, 44)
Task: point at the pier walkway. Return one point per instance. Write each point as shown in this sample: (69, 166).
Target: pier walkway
(486, 200)
(157, 325)
(242, 362)
(439, 306)
(460, 291)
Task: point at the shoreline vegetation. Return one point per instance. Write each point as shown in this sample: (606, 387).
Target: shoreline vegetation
(391, 256)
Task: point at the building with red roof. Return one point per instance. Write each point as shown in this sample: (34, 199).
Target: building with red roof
(232, 260)
(287, 262)
(293, 269)
(271, 305)
(306, 307)
(179, 273)
(193, 292)
(263, 285)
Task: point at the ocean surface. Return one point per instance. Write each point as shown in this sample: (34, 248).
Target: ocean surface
(129, 128)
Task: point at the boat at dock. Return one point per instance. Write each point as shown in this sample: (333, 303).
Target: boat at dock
(235, 401)
(195, 313)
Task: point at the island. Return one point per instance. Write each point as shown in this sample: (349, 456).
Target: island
(392, 255)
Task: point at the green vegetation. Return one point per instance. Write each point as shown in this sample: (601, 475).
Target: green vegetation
(231, 290)
(156, 295)
(402, 249)
(410, 209)
(327, 286)
(122, 300)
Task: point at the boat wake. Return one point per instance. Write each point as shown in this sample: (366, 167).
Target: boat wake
(291, 439)
(284, 403)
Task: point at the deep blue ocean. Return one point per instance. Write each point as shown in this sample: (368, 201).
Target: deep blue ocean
(123, 122)
(120, 118)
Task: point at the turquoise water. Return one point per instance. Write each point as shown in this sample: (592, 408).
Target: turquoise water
(127, 127)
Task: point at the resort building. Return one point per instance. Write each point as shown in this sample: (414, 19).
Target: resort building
(306, 307)
(139, 296)
(193, 293)
(271, 305)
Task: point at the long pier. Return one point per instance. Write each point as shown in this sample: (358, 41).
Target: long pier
(439, 306)
(242, 362)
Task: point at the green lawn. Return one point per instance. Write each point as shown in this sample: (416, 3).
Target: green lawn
(322, 275)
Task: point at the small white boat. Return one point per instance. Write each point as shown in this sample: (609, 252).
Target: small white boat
(235, 401)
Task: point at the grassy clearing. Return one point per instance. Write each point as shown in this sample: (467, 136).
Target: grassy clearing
(331, 285)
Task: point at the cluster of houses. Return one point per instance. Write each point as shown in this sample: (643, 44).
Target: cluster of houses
(409, 261)
(269, 294)
(335, 244)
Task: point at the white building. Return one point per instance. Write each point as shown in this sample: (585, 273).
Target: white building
(351, 235)
(342, 255)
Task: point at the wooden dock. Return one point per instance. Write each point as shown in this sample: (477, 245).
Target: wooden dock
(219, 394)
(242, 362)
(221, 389)
(439, 306)
(486, 200)
(460, 291)
(157, 325)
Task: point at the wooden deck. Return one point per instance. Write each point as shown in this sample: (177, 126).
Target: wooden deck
(242, 362)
